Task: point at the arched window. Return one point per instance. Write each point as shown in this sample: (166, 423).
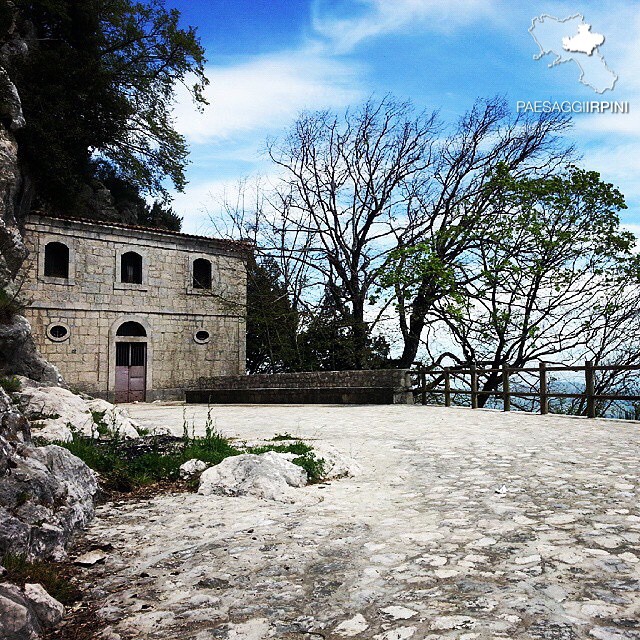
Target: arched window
(201, 274)
(131, 267)
(131, 329)
(56, 260)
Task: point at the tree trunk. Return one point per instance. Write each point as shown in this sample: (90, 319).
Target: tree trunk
(360, 335)
(427, 295)
(492, 384)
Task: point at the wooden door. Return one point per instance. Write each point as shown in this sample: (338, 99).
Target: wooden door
(131, 371)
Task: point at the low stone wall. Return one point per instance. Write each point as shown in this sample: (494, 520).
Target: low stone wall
(383, 386)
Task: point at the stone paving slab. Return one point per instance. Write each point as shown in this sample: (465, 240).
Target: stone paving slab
(464, 524)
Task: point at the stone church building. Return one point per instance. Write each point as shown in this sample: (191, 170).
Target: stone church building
(134, 314)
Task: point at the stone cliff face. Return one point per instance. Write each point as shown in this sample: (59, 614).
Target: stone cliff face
(12, 247)
(45, 492)
(13, 250)
(18, 353)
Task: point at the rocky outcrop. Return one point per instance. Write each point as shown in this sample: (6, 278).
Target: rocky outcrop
(270, 476)
(46, 493)
(19, 355)
(12, 248)
(25, 613)
(56, 413)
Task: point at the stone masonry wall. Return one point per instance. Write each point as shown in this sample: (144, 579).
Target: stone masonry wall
(384, 386)
(93, 303)
(393, 378)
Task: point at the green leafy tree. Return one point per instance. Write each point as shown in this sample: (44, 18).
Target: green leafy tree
(526, 289)
(98, 82)
(457, 202)
(129, 205)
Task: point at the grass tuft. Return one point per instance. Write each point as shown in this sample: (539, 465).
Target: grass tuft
(10, 384)
(21, 571)
(282, 436)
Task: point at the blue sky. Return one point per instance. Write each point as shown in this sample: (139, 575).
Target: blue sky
(267, 61)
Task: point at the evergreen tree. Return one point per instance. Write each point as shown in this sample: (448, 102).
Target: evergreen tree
(98, 82)
(271, 321)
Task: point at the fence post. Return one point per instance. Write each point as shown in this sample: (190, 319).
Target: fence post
(423, 385)
(590, 389)
(543, 389)
(474, 386)
(506, 395)
(447, 387)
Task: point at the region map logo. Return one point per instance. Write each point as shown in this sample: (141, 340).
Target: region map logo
(573, 40)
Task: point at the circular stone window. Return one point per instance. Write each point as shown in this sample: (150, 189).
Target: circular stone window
(202, 336)
(58, 332)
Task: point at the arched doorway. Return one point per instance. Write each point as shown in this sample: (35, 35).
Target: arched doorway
(131, 362)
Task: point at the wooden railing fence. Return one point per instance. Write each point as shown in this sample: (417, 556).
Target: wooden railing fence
(428, 381)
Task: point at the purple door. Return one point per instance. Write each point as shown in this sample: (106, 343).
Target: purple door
(131, 371)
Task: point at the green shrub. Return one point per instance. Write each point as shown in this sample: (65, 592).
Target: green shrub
(9, 306)
(101, 426)
(122, 471)
(10, 384)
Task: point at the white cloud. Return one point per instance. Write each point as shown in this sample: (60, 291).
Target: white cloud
(198, 201)
(634, 228)
(613, 140)
(267, 93)
(204, 203)
(624, 124)
(618, 163)
(378, 17)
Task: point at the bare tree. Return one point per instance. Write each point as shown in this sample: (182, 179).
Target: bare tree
(377, 210)
(346, 186)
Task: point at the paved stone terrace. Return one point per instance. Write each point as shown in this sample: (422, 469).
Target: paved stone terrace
(464, 524)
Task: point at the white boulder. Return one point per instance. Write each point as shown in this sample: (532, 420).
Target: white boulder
(269, 476)
(55, 413)
(49, 611)
(336, 464)
(192, 468)
(115, 418)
